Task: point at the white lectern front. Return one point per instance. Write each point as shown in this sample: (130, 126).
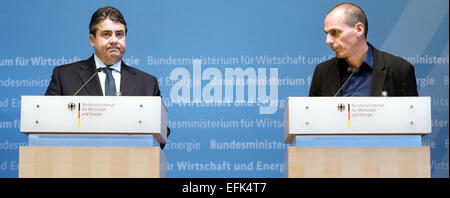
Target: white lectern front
(357, 136)
(93, 136)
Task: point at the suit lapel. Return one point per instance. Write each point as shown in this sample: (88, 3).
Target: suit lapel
(128, 81)
(85, 71)
(378, 74)
(336, 76)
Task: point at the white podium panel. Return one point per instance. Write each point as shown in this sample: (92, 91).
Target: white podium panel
(357, 115)
(94, 115)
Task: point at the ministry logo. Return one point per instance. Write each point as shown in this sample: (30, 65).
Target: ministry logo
(341, 107)
(71, 106)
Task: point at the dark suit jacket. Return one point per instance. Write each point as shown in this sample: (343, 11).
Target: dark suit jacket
(67, 79)
(390, 73)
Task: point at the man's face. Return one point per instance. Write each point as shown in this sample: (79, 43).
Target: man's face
(342, 38)
(109, 41)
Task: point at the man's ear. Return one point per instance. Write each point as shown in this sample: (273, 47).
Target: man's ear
(359, 29)
(91, 39)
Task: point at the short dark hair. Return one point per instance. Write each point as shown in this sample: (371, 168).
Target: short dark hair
(107, 12)
(355, 15)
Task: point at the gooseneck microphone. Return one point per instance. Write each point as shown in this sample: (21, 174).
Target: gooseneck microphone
(96, 72)
(349, 69)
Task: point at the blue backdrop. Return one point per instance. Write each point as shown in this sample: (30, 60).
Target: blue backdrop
(222, 126)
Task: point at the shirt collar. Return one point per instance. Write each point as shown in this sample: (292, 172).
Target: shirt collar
(369, 56)
(100, 64)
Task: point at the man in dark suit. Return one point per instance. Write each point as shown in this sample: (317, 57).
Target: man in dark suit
(104, 73)
(67, 79)
(359, 69)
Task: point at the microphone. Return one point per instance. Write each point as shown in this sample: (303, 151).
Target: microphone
(96, 72)
(349, 69)
(385, 91)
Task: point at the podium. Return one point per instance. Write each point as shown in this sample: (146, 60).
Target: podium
(353, 137)
(93, 136)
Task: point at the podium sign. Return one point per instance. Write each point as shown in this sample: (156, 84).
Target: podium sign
(357, 115)
(357, 136)
(132, 115)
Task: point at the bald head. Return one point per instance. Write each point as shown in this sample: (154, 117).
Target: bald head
(354, 14)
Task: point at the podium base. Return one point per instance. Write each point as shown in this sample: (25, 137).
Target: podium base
(91, 162)
(357, 162)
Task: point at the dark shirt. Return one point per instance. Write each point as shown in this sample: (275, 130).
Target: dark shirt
(360, 83)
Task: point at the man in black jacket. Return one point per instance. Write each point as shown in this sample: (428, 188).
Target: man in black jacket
(358, 69)
(104, 73)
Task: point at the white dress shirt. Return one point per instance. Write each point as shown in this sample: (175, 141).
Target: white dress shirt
(102, 75)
